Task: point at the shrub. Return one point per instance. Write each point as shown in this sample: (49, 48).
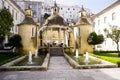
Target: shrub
(68, 51)
(43, 51)
(118, 64)
(15, 41)
(105, 51)
(1, 39)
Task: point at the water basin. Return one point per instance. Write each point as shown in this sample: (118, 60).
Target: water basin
(35, 61)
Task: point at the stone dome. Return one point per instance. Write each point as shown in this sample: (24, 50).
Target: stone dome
(55, 19)
(27, 20)
(84, 21)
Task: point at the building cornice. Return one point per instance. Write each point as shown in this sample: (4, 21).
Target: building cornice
(13, 2)
(107, 9)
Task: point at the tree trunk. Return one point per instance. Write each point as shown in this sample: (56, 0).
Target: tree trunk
(118, 49)
(93, 48)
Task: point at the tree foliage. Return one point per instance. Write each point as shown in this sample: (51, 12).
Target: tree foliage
(46, 15)
(1, 39)
(114, 34)
(6, 21)
(94, 39)
(15, 41)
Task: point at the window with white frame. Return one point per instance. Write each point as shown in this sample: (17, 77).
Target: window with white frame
(105, 18)
(113, 16)
(78, 32)
(33, 32)
(98, 22)
(16, 15)
(13, 13)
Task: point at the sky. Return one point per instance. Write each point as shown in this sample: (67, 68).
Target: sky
(94, 6)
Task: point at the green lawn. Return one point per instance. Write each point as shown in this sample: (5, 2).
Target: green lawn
(111, 57)
(7, 57)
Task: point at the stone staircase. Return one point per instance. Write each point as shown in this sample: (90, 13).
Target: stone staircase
(56, 51)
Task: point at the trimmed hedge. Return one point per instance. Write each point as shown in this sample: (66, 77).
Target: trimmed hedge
(106, 51)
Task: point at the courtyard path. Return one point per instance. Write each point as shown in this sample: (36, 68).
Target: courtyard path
(85, 74)
(59, 63)
(59, 69)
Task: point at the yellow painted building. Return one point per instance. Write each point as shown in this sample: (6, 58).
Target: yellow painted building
(28, 30)
(81, 31)
(55, 32)
(55, 29)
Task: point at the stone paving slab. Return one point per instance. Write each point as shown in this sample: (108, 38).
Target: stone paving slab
(59, 69)
(89, 74)
(58, 63)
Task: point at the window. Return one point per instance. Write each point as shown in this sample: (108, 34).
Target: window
(45, 8)
(48, 9)
(99, 31)
(113, 16)
(105, 19)
(33, 32)
(78, 32)
(16, 15)
(16, 29)
(98, 22)
(13, 13)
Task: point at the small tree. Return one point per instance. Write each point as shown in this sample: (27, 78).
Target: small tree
(6, 21)
(15, 41)
(46, 15)
(94, 39)
(114, 34)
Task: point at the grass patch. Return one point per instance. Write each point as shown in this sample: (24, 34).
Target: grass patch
(7, 57)
(111, 57)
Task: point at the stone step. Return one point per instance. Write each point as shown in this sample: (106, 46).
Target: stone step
(56, 51)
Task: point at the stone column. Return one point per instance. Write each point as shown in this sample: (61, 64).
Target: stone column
(64, 38)
(59, 35)
(46, 37)
(51, 35)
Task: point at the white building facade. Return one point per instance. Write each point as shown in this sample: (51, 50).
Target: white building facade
(17, 13)
(70, 13)
(36, 8)
(110, 16)
(41, 7)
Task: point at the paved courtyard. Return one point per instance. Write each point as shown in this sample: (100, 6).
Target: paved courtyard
(59, 69)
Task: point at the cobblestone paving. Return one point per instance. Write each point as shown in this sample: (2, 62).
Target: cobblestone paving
(63, 71)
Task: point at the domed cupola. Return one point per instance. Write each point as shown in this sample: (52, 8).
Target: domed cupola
(55, 18)
(28, 17)
(55, 8)
(84, 19)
